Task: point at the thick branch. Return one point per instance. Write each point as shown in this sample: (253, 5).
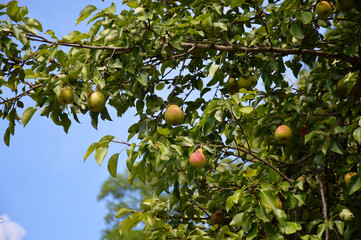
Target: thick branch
(234, 48)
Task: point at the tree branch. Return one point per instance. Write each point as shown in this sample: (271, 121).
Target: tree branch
(324, 204)
(211, 46)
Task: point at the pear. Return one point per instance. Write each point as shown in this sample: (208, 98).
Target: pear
(283, 134)
(66, 96)
(174, 115)
(198, 159)
(96, 101)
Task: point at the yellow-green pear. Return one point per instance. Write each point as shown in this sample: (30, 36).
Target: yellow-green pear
(96, 101)
(174, 115)
(66, 95)
(245, 82)
(323, 9)
(283, 134)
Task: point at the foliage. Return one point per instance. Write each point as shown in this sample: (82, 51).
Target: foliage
(156, 53)
(118, 193)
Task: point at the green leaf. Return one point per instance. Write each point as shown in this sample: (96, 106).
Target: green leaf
(33, 23)
(7, 137)
(261, 213)
(357, 135)
(290, 228)
(230, 202)
(90, 150)
(85, 13)
(213, 70)
(100, 153)
(27, 115)
(220, 25)
(143, 78)
(340, 225)
(268, 199)
(112, 165)
(296, 30)
(336, 147)
(305, 17)
(121, 212)
(237, 220)
(354, 184)
(320, 229)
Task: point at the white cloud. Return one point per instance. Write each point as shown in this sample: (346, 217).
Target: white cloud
(10, 230)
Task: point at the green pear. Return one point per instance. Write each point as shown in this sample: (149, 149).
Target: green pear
(245, 82)
(96, 101)
(323, 9)
(66, 96)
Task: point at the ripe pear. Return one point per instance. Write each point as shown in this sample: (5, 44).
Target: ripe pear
(174, 115)
(66, 95)
(283, 134)
(96, 101)
(198, 159)
(348, 176)
(323, 9)
(341, 89)
(217, 217)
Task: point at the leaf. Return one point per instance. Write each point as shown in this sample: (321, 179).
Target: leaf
(143, 78)
(7, 137)
(357, 135)
(268, 199)
(305, 17)
(296, 30)
(230, 202)
(237, 220)
(213, 70)
(33, 23)
(85, 13)
(261, 213)
(27, 115)
(121, 212)
(354, 184)
(290, 228)
(90, 150)
(320, 229)
(340, 225)
(336, 147)
(100, 153)
(112, 165)
(220, 25)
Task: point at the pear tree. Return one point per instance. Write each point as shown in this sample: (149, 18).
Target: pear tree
(149, 55)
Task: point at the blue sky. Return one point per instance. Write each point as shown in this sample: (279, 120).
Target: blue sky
(47, 191)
